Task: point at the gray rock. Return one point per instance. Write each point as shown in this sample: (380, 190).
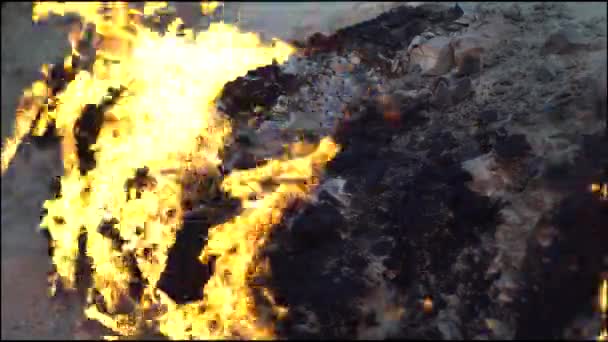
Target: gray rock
(599, 98)
(545, 73)
(442, 96)
(470, 64)
(435, 56)
(513, 12)
(468, 51)
(564, 41)
(267, 138)
(488, 116)
(461, 89)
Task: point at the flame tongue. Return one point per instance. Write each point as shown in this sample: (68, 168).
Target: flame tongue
(164, 120)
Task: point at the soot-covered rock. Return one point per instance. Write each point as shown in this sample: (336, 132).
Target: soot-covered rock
(439, 143)
(374, 172)
(378, 40)
(571, 264)
(326, 281)
(363, 138)
(512, 146)
(589, 165)
(436, 212)
(572, 260)
(358, 144)
(316, 225)
(88, 126)
(314, 270)
(185, 275)
(393, 30)
(595, 149)
(260, 87)
(57, 79)
(488, 116)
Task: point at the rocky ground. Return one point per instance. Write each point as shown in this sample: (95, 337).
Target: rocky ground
(479, 143)
(459, 206)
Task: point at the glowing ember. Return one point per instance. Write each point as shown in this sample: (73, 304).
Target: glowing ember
(604, 297)
(162, 119)
(603, 304)
(602, 189)
(427, 305)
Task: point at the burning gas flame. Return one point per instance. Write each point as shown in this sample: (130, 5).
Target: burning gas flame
(163, 119)
(604, 297)
(603, 305)
(208, 7)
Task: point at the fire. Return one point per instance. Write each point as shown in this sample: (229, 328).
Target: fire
(602, 189)
(208, 7)
(603, 306)
(604, 297)
(162, 120)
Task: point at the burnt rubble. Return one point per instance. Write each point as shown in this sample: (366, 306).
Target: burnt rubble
(389, 32)
(260, 87)
(185, 275)
(576, 258)
(436, 228)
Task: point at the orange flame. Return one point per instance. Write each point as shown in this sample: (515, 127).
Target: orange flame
(164, 121)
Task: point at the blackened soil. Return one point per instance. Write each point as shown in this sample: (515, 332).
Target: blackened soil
(316, 270)
(260, 87)
(416, 210)
(563, 278)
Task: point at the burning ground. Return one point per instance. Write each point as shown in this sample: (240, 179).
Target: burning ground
(429, 173)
